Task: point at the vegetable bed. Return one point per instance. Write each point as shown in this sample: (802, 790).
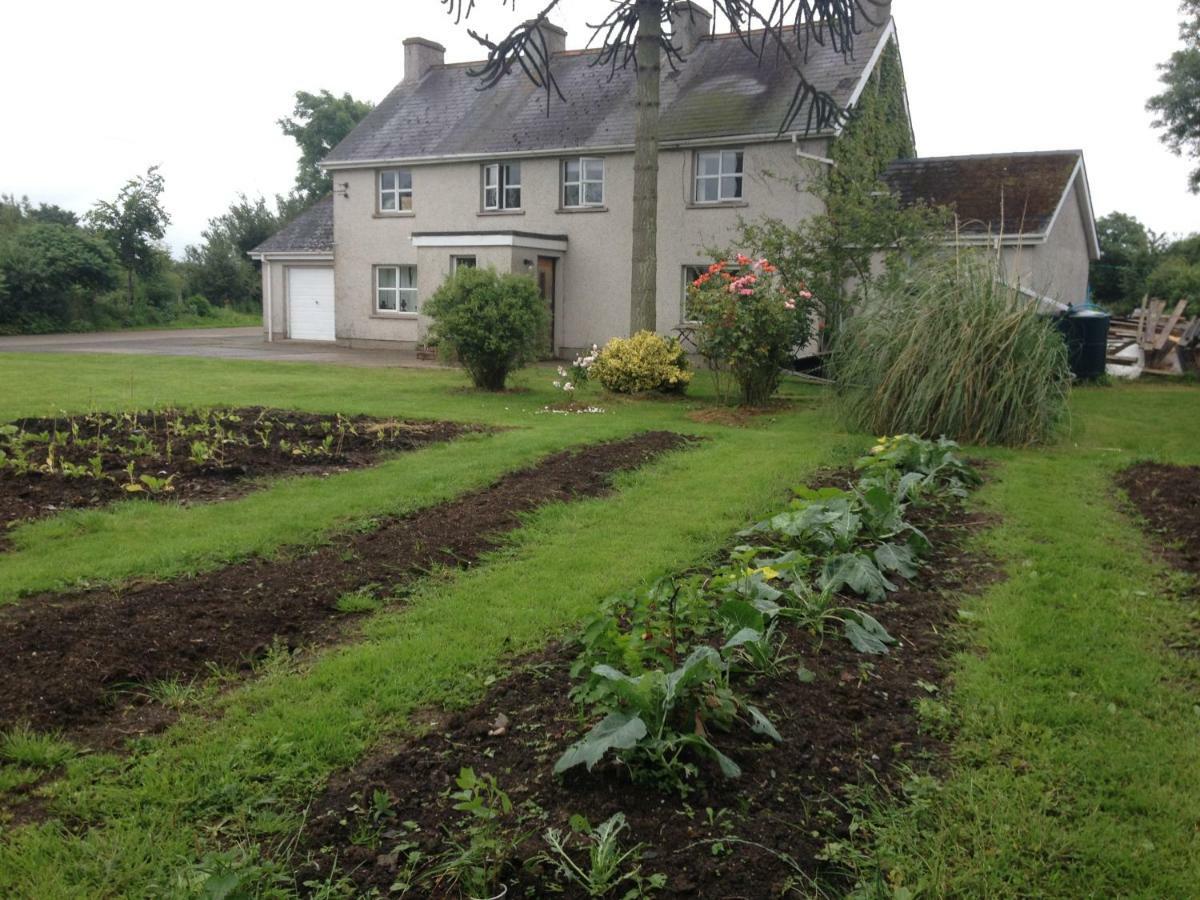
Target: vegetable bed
(72, 462)
(707, 737)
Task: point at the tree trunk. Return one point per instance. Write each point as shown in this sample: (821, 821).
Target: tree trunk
(642, 312)
(129, 272)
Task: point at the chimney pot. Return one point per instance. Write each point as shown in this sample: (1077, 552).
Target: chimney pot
(420, 55)
(690, 22)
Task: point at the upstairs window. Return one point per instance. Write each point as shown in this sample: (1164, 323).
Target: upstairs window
(718, 176)
(395, 289)
(502, 186)
(395, 190)
(583, 182)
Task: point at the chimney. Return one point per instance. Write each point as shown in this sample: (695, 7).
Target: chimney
(689, 23)
(877, 12)
(420, 55)
(555, 37)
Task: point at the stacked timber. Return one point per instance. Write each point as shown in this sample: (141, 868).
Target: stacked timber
(1155, 340)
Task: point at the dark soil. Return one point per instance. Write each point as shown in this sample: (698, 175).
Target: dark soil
(200, 455)
(1168, 498)
(852, 727)
(68, 661)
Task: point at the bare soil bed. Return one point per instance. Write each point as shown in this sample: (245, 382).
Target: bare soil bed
(73, 462)
(1168, 498)
(76, 661)
(851, 727)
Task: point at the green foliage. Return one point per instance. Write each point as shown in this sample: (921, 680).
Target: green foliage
(25, 747)
(14, 212)
(1174, 279)
(608, 865)
(476, 864)
(833, 255)
(133, 224)
(49, 272)
(957, 353)
(492, 323)
(749, 323)
(218, 268)
(640, 364)
(659, 714)
(1177, 108)
(319, 123)
(1127, 256)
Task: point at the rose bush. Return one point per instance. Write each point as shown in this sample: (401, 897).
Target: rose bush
(749, 325)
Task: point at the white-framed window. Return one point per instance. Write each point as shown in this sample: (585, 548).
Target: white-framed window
(690, 274)
(718, 176)
(462, 262)
(395, 190)
(502, 186)
(583, 182)
(395, 289)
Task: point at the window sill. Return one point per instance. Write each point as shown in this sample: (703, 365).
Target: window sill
(501, 212)
(396, 316)
(720, 204)
(565, 210)
(406, 214)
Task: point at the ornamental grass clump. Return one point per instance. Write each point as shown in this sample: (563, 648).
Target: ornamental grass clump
(492, 323)
(956, 353)
(640, 364)
(750, 323)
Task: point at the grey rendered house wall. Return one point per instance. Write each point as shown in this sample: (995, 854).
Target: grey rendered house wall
(592, 302)
(1057, 268)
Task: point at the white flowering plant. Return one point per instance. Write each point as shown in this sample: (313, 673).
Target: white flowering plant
(570, 378)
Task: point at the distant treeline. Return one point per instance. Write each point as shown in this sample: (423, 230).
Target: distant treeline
(108, 268)
(1135, 261)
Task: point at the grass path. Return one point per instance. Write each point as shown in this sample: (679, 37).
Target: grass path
(1075, 766)
(156, 822)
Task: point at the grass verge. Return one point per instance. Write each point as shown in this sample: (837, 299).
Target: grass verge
(1078, 736)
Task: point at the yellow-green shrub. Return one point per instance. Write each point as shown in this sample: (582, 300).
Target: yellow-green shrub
(644, 362)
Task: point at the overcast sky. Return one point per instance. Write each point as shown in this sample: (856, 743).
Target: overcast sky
(91, 93)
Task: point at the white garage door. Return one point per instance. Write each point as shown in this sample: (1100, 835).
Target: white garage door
(310, 303)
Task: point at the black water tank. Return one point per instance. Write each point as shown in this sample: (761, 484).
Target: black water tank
(1085, 329)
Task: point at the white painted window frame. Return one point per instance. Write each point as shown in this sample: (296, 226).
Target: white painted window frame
(720, 176)
(457, 259)
(397, 194)
(497, 177)
(399, 293)
(582, 182)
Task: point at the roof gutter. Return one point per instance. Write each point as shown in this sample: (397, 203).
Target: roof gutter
(722, 141)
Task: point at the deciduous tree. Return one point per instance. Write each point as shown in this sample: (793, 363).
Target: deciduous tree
(133, 224)
(1177, 108)
(319, 123)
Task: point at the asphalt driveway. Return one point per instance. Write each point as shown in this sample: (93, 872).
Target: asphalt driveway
(215, 343)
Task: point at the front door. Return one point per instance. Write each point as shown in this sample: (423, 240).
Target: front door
(547, 266)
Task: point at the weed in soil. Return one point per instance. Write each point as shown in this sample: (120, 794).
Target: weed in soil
(848, 722)
(85, 662)
(74, 462)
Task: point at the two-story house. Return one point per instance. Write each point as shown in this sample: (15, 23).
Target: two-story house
(442, 174)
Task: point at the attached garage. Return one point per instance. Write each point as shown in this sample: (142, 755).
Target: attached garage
(310, 303)
(298, 282)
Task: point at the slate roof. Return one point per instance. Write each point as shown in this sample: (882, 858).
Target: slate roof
(309, 232)
(720, 90)
(1004, 194)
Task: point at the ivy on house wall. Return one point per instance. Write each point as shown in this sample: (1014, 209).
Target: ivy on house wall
(880, 131)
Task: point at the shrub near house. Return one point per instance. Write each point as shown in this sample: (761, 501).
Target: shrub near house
(492, 323)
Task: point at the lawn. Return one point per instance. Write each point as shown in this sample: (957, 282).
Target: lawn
(1075, 726)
